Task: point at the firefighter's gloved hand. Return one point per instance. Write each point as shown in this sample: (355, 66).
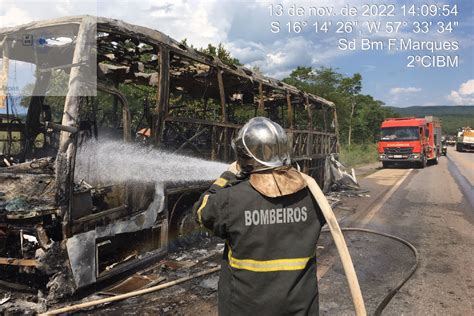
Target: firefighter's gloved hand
(228, 178)
(234, 168)
(237, 172)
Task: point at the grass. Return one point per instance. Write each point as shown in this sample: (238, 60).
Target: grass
(358, 154)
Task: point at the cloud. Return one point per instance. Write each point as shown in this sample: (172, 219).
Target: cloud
(283, 56)
(246, 52)
(165, 7)
(13, 13)
(201, 22)
(244, 29)
(13, 16)
(467, 88)
(398, 90)
(279, 58)
(464, 95)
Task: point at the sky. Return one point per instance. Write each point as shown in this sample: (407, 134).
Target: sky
(244, 27)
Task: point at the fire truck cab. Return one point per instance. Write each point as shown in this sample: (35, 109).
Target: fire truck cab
(410, 140)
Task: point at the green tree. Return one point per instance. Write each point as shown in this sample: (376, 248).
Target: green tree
(359, 115)
(351, 87)
(222, 53)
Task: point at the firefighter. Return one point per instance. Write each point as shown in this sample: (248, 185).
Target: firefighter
(271, 224)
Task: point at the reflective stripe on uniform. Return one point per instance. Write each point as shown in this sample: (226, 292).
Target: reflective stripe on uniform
(220, 182)
(203, 205)
(268, 265)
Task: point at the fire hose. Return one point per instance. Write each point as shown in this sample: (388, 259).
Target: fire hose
(339, 241)
(393, 291)
(346, 260)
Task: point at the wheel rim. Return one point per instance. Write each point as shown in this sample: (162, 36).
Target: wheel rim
(187, 226)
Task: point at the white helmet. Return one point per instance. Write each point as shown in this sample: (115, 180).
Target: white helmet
(261, 144)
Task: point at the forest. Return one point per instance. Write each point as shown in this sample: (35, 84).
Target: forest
(452, 117)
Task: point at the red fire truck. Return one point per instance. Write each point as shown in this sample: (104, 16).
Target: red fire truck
(411, 140)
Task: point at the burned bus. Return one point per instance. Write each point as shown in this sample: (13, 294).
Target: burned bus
(137, 86)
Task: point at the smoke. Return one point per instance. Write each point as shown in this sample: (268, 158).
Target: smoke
(108, 162)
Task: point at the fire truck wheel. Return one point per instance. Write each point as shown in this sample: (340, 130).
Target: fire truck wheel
(436, 159)
(423, 162)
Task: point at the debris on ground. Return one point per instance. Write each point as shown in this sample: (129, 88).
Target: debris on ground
(5, 299)
(22, 306)
(340, 179)
(133, 283)
(210, 283)
(336, 198)
(197, 296)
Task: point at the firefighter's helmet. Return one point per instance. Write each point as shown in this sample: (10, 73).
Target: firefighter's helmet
(261, 144)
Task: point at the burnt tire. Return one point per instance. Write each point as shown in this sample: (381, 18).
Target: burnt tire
(186, 231)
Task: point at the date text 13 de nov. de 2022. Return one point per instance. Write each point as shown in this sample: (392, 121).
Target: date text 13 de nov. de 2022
(414, 29)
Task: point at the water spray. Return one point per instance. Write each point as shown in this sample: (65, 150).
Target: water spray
(109, 162)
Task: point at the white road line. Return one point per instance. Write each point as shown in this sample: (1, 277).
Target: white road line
(376, 208)
(322, 270)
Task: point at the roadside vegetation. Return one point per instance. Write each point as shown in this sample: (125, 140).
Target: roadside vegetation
(452, 117)
(359, 115)
(358, 154)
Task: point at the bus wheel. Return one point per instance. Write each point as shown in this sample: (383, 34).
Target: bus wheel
(188, 231)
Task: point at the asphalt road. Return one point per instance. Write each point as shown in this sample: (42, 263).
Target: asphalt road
(432, 209)
(464, 162)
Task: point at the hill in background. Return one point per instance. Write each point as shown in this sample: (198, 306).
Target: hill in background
(452, 117)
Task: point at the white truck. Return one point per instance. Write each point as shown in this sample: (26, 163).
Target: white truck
(465, 139)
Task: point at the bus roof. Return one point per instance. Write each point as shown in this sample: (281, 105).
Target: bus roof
(64, 26)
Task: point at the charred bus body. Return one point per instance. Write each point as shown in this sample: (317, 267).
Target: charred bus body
(76, 233)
